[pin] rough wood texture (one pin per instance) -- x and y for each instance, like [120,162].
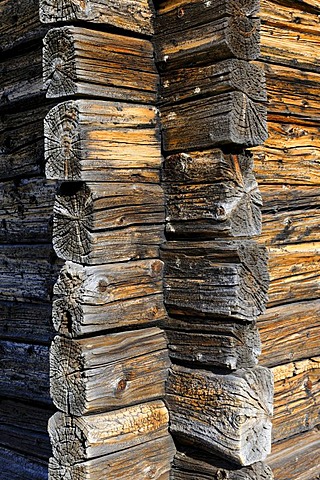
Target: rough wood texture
[226,279]
[17,466]
[200,32]
[226,414]
[211,194]
[78,61]
[102,141]
[97,435]
[98,223]
[92,299]
[130,15]
[229,118]
[150,460]
[296,399]
[108,372]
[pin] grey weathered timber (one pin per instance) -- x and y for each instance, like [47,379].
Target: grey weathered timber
[98,223]
[102,141]
[16,466]
[229,415]
[90,299]
[211,194]
[96,435]
[229,118]
[135,16]
[148,460]
[109,371]
[79,61]
[225,279]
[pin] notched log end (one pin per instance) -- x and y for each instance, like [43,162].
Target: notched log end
[248,122]
[243,37]
[52,11]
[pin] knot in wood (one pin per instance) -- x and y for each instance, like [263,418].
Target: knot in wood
[122,385]
[180,13]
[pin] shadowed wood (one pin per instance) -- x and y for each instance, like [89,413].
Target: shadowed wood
[102,141]
[17,466]
[108,222]
[76,439]
[78,61]
[209,193]
[92,299]
[130,15]
[108,372]
[229,415]
[225,279]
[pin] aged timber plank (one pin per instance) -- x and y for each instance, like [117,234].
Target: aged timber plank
[79,61]
[229,415]
[135,16]
[210,193]
[16,466]
[109,371]
[92,299]
[102,141]
[98,223]
[225,279]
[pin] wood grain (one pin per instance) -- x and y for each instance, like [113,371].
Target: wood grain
[15,466]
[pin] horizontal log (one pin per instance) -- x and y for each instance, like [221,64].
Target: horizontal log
[224,119]
[280,198]
[100,434]
[26,210]
[102,141]
[92,299]
[124,14]
[211,194]
[228,415]
[25,371]
[108,372]
[79,61]
[296,397]
[154,462]
[224,279]
[98,223]
[290,332]
[17,466]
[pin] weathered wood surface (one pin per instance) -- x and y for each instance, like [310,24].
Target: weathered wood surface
[102,141]
[297,458]
[24,426]
[280,198]
[135,16]
[78,61]
[229,415]
[98,223]
[92,299]
[290,332]
[190,33]
[109,371]
[296,397]
[26,210]
[96,435]
[211,194]
[150,460]
[229,75]
[24,371]
[225,279]
[194,465]
[16,466]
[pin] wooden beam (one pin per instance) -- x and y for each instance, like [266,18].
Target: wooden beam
[15,466]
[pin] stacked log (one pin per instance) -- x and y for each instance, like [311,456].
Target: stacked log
[213,106]
[109,359]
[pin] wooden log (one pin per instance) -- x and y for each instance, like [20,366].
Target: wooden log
[102,141]
[224,279]
[191,33]
[154,461]
[16,466]
[290,332]
[229,75]
[26,210]
[97,435]
[211,194]
[228,415]
[224,119]
[108,372]
[78,61]
[296,397]
[25,371]
[277,198]
[98,223]
[93,299]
